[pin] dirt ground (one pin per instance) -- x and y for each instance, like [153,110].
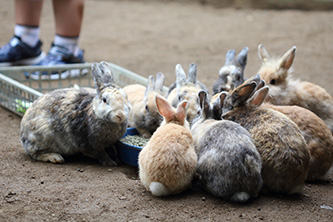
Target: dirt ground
[149,37]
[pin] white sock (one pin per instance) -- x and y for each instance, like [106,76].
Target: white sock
[28,34]
[71,43]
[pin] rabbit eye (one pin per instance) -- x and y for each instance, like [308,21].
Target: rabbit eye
[146,107]
[273,82]
[104,100]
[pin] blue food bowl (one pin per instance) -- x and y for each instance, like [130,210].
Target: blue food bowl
[128,153]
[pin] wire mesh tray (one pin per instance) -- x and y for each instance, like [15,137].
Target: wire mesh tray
[19,88]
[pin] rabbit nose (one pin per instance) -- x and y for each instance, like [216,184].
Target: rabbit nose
[120,117]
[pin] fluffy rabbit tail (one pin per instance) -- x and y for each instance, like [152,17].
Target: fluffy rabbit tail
[158,189]
[240,197]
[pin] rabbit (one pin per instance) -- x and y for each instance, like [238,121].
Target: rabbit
[144,115]
[69,121]
[229,164]
[285,157]
[318,137]
[168,162]
[192,77]
[187,89]
[286,91]
[232,72]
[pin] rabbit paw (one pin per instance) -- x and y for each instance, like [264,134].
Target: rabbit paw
[109,162]
[51,157]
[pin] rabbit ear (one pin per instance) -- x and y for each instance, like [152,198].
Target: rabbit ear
[242,93]
[203,99]
[242,57]
[180,76]
[255,78]
[222,97]
[164,108]
[218,105]
[259,97]
[159,81]
[181,110]
[261,84]
[150,83]
[102,75]
[150,87]
[287,59]
[192,74]
[229,57]
[263,54]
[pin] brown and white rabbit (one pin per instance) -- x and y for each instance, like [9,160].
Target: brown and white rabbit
[231,74]
[144,115]
[317,136]
[285,157]
[69,121]
[286,91]
[168,162]
[186,89]
[229,165]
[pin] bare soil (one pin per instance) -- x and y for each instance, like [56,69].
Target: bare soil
[149,37]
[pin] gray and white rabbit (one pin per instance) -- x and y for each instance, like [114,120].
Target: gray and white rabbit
[69,121]
[283,150]
[229,165]
[231,74]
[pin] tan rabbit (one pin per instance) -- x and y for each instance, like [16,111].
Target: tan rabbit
[168,161]
[279,141]
[286,91]
[186,89]
[144,115]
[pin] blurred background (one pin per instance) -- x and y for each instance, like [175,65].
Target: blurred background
[147,37]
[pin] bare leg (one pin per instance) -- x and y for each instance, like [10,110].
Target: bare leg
[68,17]
[28,12]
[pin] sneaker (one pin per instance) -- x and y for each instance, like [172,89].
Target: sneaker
[16,52]
[59,55]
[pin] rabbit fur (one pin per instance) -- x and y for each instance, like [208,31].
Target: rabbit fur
[229,164]
[186,89]
[231,74]
[144,115]
[69,121]
[285,158]
[192,77]
[318,137]
[286,91]
[168,161]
